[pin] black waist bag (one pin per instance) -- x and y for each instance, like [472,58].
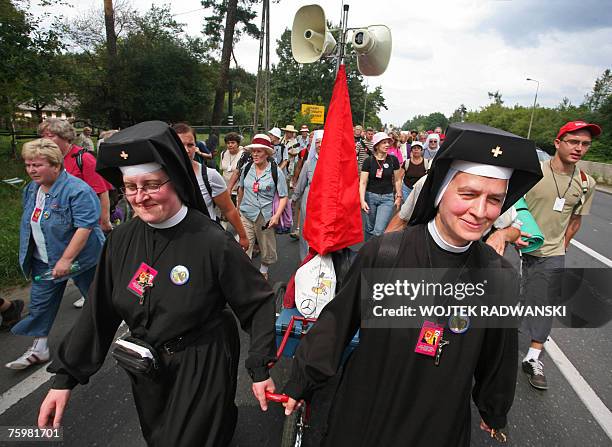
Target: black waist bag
[132,361]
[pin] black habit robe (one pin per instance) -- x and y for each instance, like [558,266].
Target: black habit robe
[388,394]
[192,402]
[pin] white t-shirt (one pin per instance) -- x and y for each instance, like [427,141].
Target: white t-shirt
[217,184]
[40,248]
[228,166]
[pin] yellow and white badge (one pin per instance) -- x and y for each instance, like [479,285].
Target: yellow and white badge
[179,275]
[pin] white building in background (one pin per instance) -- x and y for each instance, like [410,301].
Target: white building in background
[59,109]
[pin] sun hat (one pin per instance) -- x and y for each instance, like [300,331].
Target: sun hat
[289,128]
[275,131]
[261,141]
[380,136]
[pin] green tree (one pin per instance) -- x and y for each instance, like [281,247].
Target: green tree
[458,115]
[238,16]
[602,90]
[598,103]
[496,97]
[426,122]
[159,74]
[27,52]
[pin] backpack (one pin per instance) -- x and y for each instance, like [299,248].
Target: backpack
[204,172]
[274,171]
[388,249]
[79,158]
[113,194]
[426,164]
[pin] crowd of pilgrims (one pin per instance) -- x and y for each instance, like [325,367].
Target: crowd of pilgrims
[129,261]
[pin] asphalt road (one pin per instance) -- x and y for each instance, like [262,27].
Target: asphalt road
[103,413]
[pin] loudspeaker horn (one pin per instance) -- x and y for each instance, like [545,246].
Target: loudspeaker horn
[310,38]
[373,48]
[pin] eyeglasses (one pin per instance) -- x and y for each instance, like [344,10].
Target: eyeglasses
[149,188]
[574,143]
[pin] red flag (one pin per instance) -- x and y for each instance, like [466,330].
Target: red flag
[333,212]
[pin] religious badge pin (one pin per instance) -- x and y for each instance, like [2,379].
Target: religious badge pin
[429,338]
[386,165]
[179,275]
[458,324]
[46,214]
[142,280]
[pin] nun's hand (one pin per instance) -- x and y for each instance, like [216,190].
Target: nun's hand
[291,405]
[259,391]
[52,409]
[520,243]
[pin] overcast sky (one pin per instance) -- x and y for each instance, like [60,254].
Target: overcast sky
[448,52]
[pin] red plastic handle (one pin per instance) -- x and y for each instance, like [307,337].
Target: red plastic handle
[280,398]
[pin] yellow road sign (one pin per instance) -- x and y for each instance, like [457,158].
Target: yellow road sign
[317,113]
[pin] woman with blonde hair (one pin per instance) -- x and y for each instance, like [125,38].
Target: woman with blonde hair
[59,238]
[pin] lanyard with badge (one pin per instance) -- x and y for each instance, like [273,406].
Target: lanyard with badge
[560,199]
[379,171]
[256,183]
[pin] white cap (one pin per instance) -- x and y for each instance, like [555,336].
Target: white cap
[275,131]
[144,168]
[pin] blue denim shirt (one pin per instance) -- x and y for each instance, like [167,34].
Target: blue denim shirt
[254,203]
[70,204]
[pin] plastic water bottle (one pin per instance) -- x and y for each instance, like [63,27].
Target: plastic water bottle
[48,275]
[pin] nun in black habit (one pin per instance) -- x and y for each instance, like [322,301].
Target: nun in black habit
[390,395]
[194,272]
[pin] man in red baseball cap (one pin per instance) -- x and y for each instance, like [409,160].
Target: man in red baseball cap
[557,203]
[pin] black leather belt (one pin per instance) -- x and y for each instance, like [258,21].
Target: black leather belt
[182,342]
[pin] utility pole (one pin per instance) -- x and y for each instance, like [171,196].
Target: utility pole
[111,48]
[267,76]
[534,106]
[258,83]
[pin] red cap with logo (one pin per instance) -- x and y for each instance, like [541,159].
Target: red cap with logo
[573,126]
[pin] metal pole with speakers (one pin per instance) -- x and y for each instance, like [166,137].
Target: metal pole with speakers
[311,40]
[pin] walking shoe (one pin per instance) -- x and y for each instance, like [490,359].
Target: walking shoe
[79,303]
[295,235]
[30,357]
[535,370]
[13,314]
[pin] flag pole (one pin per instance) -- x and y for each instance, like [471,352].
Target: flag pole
[342,44]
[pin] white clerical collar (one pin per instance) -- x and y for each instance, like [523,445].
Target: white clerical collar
[440,242]
[174,220]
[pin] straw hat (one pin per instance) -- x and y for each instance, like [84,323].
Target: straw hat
[289,128]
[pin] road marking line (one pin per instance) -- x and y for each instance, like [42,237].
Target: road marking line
[24,388]
[32,383]
[589,398]
[591,252]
